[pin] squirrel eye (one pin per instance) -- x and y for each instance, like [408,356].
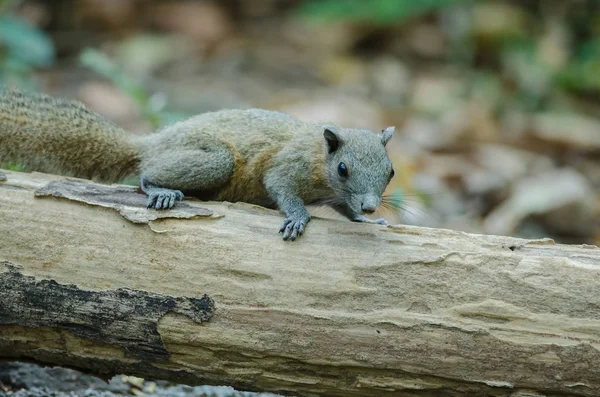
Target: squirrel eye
[343,170]
[391,175]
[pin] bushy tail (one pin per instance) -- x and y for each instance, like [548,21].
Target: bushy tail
[60,136]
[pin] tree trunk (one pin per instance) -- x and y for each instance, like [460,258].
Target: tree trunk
[210,294]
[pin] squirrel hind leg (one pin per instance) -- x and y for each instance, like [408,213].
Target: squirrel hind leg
[165,177]
[160,198]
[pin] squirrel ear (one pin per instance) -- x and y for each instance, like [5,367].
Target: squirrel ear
[332,138]
[386,135]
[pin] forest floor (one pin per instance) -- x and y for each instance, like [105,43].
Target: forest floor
[30,380]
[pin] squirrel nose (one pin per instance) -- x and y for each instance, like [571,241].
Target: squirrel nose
[369,209]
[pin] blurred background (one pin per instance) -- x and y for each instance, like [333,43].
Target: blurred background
[496,103]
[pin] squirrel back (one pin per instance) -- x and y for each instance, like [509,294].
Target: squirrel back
[61,136]
[254,140]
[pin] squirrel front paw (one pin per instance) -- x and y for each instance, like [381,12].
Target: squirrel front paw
[163,199]
[293,226]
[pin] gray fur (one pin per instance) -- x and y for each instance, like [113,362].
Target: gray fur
[257,156]
[369,169]
[386,135]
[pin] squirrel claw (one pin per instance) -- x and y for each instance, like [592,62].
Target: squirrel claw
[292,228]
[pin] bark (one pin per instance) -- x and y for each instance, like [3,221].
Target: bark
[210,294]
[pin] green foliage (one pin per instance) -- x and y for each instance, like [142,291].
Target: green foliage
[382,12]
[23,48]
[151,110]
[103,65]
[13,167]
[516,51]
[24,43]
[582,73]
[537,80]
[533,78]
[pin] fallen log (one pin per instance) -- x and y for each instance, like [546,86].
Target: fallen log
[210,294]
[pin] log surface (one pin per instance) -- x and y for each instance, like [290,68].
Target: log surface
[348,310]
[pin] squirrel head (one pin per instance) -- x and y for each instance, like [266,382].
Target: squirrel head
[358,167]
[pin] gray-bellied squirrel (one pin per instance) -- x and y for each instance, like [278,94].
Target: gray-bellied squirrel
[256,156]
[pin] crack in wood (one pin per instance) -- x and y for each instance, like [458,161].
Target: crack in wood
[124,317]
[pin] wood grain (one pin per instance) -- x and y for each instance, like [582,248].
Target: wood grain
[348,310]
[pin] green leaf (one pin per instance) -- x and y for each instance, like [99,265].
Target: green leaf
[25,43]
[375,11]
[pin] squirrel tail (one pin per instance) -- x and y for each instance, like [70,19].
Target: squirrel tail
[61,136]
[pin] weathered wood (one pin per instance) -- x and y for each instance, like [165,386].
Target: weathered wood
[348,310]
[119,317]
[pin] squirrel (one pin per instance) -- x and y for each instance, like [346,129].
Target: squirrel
[256,156]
